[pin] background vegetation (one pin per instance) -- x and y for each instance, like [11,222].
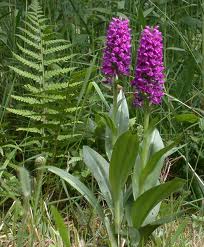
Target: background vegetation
[43,117]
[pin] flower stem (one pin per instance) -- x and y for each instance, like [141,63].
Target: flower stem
[145,147]
[115,94]
[145,144]
[115,108]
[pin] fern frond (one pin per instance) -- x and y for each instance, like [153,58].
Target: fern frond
[53,73]
[33,14]
[31,35]
[67,137]
[72,109]
[31,130]
[28,100]
[29,42]
[32,89]
[26,74]
[26,113]
[56,49]
[55,41]
[56,86]
[27,62]
[33,21]
[43,20]
[35,30]
[60,59]
[51,112]
[75,85]
[29,53]
[51,97]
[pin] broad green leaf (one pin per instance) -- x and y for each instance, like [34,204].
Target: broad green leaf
[25,181]
[155,144]
[187,117]
[61,227]
[121,123]
[122,161]
[122,116]
[100,170]
[149,199]
[152,163]
[80,187]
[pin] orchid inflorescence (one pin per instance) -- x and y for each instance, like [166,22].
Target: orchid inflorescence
[148,83]
[117,53]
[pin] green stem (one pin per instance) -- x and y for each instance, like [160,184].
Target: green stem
[145,146]
[114,113]
[115,95]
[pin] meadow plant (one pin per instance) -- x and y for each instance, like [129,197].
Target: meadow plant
[129,179]
[53,123]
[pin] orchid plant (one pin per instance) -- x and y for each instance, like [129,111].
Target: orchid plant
[129,177]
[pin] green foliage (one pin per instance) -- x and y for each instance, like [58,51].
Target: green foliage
[40,98]
[64,233]
[47,103]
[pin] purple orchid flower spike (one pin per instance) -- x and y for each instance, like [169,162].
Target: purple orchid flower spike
[117,52]
[149,72]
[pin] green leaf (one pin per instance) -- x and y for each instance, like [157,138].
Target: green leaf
[26,113]
[122,161]
[60,59]
[29,42]
[122,116]
[28,100]
[108,121]
[26,74]
[31,35]
[100,170]
[187,117]
[61,227]
[121,123]
[56,49]
[149,199]
[56,72]
[155,144]
[152,163]
[27,62]
[98,90]
[67,137]
[80,187]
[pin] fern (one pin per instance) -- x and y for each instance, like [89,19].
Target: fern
[47,103]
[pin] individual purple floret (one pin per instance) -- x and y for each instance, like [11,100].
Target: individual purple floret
[117,53]
[149,76]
